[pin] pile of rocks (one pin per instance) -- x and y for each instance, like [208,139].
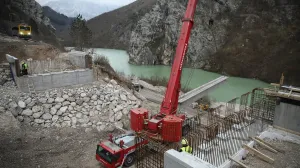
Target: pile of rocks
[102,106]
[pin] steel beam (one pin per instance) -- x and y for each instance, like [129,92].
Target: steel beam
[195,94]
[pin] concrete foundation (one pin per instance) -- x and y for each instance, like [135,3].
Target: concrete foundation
[269,133]
[55,79]
[287,115]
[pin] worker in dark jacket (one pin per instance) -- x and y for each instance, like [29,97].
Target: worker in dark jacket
[185,146]
[24,68]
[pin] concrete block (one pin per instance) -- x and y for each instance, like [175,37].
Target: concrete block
[47,81]
[56,79]
[175,159]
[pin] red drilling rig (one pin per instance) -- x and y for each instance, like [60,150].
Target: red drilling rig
[167,125]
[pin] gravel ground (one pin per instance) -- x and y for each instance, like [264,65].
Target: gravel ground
[51,148]
[290,159]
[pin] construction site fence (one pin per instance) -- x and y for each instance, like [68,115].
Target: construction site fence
[217,134]
[56,65]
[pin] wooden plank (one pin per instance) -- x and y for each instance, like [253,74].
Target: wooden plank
[259,154]
[275,84]
[238,162]
[274,147]
[264,145]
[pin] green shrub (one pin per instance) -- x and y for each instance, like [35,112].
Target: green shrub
[101,60]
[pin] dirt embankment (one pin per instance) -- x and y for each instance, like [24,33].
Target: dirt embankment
[26,49]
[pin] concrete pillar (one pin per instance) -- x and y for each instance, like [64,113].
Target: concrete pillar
[17,68]
[88,62]
[287,115]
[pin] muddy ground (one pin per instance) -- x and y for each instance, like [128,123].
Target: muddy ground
[32,147]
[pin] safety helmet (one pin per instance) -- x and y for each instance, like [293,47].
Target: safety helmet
[184,141]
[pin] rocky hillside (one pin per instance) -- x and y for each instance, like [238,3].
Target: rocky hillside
[113,29]
[254,39]
[13,12]
[61,22]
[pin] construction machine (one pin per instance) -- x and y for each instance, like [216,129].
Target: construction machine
[22,31]
[203,107]
[118,151]
[167,126]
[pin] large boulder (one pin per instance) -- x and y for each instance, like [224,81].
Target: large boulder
[27,112]
[59,100]
[22,104]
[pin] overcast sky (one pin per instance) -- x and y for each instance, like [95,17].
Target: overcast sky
[102,2]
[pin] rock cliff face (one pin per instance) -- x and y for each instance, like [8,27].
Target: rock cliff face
[113,29]
[255,39]
[60,21]
[155,37]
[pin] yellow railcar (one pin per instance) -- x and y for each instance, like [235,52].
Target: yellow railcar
[22,31]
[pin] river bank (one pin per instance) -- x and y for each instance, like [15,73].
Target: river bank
[191,78]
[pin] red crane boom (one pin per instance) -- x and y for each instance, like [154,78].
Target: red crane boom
[167,125]
[170,102]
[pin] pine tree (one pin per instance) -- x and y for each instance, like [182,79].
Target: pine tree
[80,33]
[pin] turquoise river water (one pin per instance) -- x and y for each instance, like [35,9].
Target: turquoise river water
[234,87]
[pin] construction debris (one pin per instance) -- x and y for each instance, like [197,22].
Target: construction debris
[259,154]
[264,145]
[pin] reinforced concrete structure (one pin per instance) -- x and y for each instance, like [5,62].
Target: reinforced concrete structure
[287,109]
[43,81]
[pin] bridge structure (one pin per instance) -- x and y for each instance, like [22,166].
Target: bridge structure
[185,100]
[188,98]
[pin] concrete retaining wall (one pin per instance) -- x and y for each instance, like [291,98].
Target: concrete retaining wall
[56,79]
[287,115]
